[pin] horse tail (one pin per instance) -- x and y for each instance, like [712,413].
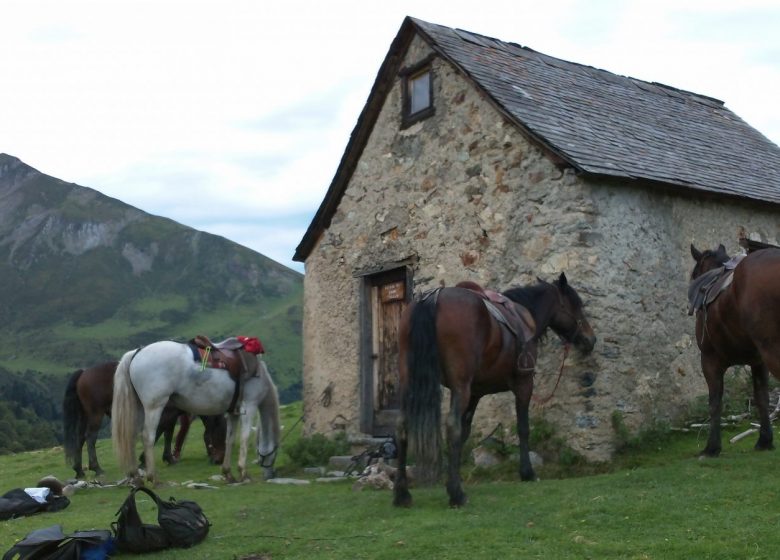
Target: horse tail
[73,419]
[421,400]
[269,431]
[125,412]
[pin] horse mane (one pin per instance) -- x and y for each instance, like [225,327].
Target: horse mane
[531,298]
[528,296]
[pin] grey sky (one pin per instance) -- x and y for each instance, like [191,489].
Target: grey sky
[232,116]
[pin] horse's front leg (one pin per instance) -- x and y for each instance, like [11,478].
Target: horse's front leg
[246,429]
[523,393]
[232,420]
[761,398]
[458,406]
[713,374]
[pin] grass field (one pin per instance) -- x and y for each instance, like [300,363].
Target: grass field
[668,505]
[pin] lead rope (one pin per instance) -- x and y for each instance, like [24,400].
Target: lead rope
[557,381]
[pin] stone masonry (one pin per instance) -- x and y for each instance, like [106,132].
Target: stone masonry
[467,196]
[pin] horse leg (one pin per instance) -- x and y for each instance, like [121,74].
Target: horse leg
[761,398]
[468,418]
[713,374]
[77,464]
[184,427]
[93,428]
[523,392]
[455,421]
[401,495]
[232,420]
[167,434]
[246,429]
[151,421]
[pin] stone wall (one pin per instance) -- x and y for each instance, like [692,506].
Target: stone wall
[466,196]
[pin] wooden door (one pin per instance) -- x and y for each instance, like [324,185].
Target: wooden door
[388,297]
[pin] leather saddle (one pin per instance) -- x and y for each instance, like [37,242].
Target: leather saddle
[221,355]
[705,289]
[513,316]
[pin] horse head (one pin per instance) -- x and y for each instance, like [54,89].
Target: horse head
[568,319]
[707,260]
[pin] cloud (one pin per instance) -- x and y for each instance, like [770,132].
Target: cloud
[232,117]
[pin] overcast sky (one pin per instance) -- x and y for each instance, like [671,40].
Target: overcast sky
[231,116]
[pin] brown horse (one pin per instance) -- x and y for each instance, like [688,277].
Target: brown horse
[452,337]
[87,400]
[740,327]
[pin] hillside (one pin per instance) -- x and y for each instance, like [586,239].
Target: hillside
[85,277]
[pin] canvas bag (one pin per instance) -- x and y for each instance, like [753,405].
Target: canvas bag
[181,524]
[50,543]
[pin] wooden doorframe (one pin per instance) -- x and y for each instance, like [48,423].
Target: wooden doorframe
[369,281]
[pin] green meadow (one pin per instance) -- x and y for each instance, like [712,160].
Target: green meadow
[657,502]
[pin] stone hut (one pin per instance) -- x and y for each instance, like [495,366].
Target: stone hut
[478,159]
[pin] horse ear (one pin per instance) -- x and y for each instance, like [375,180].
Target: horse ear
[562,280]
[722,250]
[695,253]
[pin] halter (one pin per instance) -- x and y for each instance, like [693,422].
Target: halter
[567,342]
[262,458]
[577,321]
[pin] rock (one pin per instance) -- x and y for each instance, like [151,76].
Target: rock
[291,481]
[485,457]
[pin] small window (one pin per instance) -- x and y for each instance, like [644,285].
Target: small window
[417,89]
[419,92]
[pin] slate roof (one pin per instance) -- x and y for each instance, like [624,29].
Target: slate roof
[600,123]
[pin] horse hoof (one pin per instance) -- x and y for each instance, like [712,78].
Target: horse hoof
[402,499]
[762,446]
[708,454]
[458,501]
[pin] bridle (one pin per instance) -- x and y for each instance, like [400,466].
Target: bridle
[569,339]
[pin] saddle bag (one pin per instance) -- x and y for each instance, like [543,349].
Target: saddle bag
[181,525]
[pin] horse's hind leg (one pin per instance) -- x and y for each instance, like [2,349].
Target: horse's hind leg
[401,495]
[455,421]
[761,399]
[467,419]
[91,439]
[151,421]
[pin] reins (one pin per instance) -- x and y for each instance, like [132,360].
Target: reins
[566,347]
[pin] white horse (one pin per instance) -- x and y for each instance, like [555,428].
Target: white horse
[146,378]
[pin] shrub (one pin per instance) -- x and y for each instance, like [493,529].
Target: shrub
[651,437]
[315,451]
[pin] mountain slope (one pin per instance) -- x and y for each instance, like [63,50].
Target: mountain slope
[85,277]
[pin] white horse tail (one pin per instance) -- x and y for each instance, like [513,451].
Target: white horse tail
[125,410]
[269,431]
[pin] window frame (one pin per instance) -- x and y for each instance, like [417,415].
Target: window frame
[408,74]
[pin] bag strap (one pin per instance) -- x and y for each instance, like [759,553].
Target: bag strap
[131,510]
[149,492]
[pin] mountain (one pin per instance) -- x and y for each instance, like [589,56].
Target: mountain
[85,277]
